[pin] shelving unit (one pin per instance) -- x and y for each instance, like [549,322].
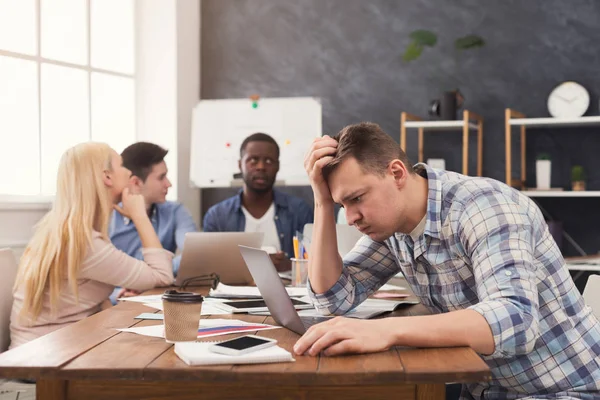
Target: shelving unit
[516,118]
[470,121]
[561,193]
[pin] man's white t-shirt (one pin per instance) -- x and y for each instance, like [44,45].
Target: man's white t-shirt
[265,224]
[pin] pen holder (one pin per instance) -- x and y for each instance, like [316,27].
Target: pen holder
[299,272]
[182,315]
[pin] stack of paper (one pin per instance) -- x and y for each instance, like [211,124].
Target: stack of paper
[249,292]
[208,307]
[198,353]
[152,298]
[208,328]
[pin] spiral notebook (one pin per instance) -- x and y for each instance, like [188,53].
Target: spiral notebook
[197,353]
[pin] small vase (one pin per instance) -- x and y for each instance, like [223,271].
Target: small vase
[578,185]
[542,174]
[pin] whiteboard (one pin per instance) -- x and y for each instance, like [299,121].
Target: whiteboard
[220,126]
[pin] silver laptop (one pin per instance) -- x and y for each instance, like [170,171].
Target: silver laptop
[347,236]
[273,292]
[205,253]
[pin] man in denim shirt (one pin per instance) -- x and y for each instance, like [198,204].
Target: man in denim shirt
[171,220]
[258,207]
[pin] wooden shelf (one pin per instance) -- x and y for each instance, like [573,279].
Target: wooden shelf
[515,118]
[470,121]
[558,122]
[440,125]
[561,193]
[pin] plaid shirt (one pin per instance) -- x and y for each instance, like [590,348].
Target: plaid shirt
[487,248]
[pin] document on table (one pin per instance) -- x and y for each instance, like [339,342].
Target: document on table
[226,291]
[208,307]
[207,328]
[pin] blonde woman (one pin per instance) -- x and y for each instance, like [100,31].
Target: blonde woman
[70,266]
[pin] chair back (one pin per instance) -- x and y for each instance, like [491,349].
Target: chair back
[8,272]
[591,294]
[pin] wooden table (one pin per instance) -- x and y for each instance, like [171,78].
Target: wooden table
[91,360]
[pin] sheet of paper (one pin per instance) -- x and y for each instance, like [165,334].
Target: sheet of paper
[207,328]
[152,298]
[151,316]
[208,307]
[250,291]
[388,295]
[286,275]
[388,286]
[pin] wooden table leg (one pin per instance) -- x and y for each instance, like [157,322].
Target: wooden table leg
[50,389]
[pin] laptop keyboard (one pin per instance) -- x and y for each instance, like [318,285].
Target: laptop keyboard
[310,321]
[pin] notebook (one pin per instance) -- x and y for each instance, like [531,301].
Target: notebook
[197,353]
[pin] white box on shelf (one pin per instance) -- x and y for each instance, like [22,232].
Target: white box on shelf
[542,174]
[438,163]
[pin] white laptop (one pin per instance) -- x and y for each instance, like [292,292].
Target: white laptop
[280,305]
[205,253]
[347,236]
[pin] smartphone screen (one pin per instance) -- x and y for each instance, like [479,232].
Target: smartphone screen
[242,343]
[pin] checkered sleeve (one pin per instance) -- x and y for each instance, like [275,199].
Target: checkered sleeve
[497,235]
[366,268]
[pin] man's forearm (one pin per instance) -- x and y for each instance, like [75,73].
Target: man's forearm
[456,328]
[324,262]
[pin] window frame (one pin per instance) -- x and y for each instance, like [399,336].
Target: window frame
[40,201]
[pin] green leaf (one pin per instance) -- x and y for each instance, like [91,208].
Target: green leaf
[412,52]
[577,173]
[469,42]
[543,156]
[423,37]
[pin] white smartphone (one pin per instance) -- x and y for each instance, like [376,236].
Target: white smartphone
[242,345]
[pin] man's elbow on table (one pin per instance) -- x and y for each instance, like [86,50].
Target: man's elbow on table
[515,328]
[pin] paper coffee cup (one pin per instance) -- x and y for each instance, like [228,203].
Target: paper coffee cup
[181,315]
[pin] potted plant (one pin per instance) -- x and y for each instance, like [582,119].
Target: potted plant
[542,171]
[422,38]
[447,107]
[577,177]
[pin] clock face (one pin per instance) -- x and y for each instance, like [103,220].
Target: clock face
[568,100]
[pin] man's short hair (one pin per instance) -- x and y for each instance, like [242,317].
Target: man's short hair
[258,137]
[140,157]
[372,148]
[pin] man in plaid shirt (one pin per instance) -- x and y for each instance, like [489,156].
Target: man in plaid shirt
[477,253]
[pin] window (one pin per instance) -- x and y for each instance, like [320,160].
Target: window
[66,76]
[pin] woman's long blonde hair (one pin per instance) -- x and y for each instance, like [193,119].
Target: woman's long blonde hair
[63,236]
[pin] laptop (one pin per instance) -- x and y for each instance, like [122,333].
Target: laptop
[273,291]
[256,305]
[347,236]
[205,253]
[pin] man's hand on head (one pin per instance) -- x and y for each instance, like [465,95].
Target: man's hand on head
[319,155]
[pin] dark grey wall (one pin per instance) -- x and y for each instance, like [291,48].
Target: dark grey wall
[348,53]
